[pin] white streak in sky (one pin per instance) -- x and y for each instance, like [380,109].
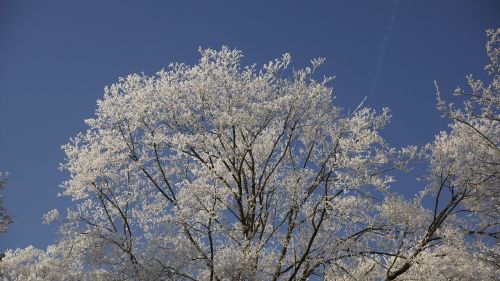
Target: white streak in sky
[382,47]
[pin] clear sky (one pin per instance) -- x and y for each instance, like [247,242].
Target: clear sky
[57,56]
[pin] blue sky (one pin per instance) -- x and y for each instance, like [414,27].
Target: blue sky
[57,56]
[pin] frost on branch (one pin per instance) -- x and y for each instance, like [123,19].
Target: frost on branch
[51,216]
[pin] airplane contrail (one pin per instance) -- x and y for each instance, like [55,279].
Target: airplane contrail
[382,48]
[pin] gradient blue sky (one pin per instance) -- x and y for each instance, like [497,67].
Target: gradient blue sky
[57,56]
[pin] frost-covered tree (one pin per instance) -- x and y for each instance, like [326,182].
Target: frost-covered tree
[223,172]
[219,171]
[459,240]
[5,218]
